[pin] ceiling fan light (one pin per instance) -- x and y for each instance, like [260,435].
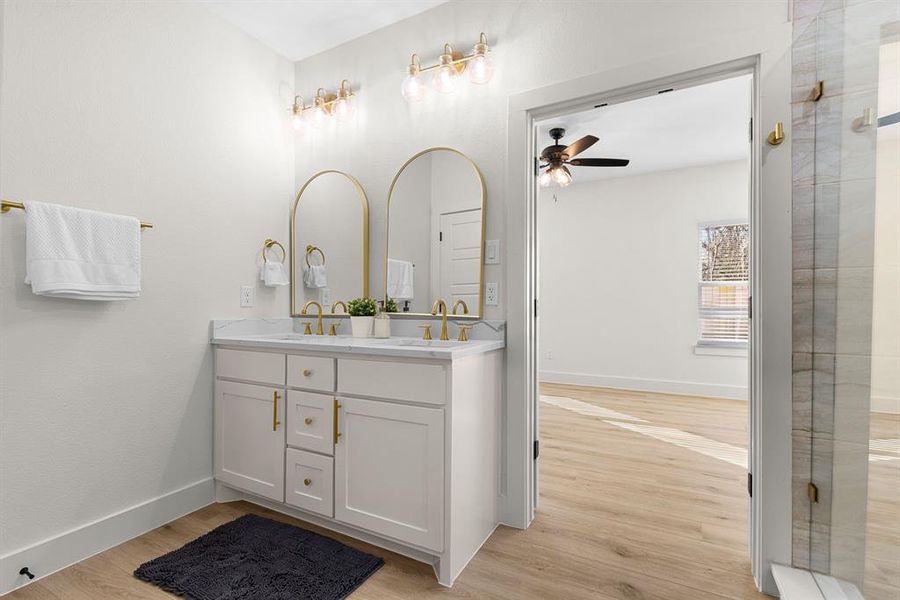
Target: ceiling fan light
[561,176]
[545,178]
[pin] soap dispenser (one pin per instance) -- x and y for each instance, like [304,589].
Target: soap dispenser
[382,327]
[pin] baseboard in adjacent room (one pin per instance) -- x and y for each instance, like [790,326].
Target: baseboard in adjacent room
[684,388]
[70,547]
[886,404]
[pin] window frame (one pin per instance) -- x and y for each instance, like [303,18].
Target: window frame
[725,344]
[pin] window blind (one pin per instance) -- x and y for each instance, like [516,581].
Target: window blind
[724,289]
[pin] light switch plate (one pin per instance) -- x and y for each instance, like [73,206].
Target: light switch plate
[492,252]
[491,294]
[246,296]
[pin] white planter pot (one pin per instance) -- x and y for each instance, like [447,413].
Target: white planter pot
[361,326]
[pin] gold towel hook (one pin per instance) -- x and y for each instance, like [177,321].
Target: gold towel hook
[268,244]
[776,136]
[310,249]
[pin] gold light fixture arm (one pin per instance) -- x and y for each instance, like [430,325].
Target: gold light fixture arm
[451,57]
[7,205]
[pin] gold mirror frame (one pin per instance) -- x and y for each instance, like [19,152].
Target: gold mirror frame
[364,202]
[475,315]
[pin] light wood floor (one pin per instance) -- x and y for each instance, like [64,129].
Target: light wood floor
[622,516]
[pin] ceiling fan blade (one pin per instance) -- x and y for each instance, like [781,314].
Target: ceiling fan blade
[599,162]
[581,145]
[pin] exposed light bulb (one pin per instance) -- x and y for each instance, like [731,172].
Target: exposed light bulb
[446,79]
[545,179]
[413,88]
[344,108]
[480,69]
[297,121]
[319,116]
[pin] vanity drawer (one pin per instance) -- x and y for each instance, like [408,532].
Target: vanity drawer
[413,382]
[310,372]
[310,421]
[264,367]
[310,482]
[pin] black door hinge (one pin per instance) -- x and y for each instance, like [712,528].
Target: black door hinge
[537,449]
[440,236]
[750,484]
[535,308]
[537,166]
[749,307]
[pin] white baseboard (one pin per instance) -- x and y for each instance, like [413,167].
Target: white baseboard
[686,388]
[885,404]
[70,547]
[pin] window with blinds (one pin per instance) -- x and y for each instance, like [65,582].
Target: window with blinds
[724,286]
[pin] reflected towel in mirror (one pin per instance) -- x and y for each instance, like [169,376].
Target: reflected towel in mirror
[400,277]
[315,277]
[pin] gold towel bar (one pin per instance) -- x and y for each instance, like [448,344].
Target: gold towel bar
[6,205]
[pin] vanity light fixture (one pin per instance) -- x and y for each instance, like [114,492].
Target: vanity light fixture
[447,72]
[341,105]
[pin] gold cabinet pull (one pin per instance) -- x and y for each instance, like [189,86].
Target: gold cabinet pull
[337,408]
[308,420]
[776,136]
[307,372]
[307,481]
[275,421]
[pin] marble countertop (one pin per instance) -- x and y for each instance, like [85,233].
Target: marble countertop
[279,335]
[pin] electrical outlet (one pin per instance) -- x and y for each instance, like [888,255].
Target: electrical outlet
[491,294]
[325,296]
[246,296]
[492,252]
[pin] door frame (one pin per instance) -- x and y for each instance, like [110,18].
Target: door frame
[767,54]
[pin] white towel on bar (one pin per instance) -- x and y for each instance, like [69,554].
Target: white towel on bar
[81,254]
[400,277]
[274,274]
[315,277]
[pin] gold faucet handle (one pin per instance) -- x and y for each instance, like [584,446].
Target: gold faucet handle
[333,329]
[307,328]
[426,334]
[463,333]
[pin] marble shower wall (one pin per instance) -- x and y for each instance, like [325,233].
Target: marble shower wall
[833,151]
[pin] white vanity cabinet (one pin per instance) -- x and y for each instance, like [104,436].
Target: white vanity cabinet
[400,452]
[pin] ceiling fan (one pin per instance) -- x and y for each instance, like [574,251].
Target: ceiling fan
[555,159]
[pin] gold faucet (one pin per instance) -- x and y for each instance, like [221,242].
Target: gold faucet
[318,316]
[457,305]
[333,329]
[440,305]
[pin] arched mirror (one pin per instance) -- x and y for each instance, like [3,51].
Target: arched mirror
[435,234]
[329,241]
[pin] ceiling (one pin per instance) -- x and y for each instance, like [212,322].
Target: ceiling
[699,125]
[297,29]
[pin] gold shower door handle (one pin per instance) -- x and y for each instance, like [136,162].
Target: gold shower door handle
[776,136]
[275,421]
[337,408]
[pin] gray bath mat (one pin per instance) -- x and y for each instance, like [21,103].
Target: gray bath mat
[253,558]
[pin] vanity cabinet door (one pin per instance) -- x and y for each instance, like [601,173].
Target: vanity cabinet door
[310,421]
[389,470]
[249,438]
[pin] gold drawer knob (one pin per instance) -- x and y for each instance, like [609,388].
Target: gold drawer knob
[307,372]
[307,482]
[308,420]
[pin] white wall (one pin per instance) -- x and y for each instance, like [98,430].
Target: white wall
[886,299]
[525,38]
[162,111]
[618,311]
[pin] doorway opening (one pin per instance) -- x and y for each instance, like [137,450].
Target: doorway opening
[643,341]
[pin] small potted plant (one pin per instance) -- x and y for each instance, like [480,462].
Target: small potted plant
[362,316]
[390,306]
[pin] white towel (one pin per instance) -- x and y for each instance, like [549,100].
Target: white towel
[315,277]
[400,277]
[274,274]
[81,254]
